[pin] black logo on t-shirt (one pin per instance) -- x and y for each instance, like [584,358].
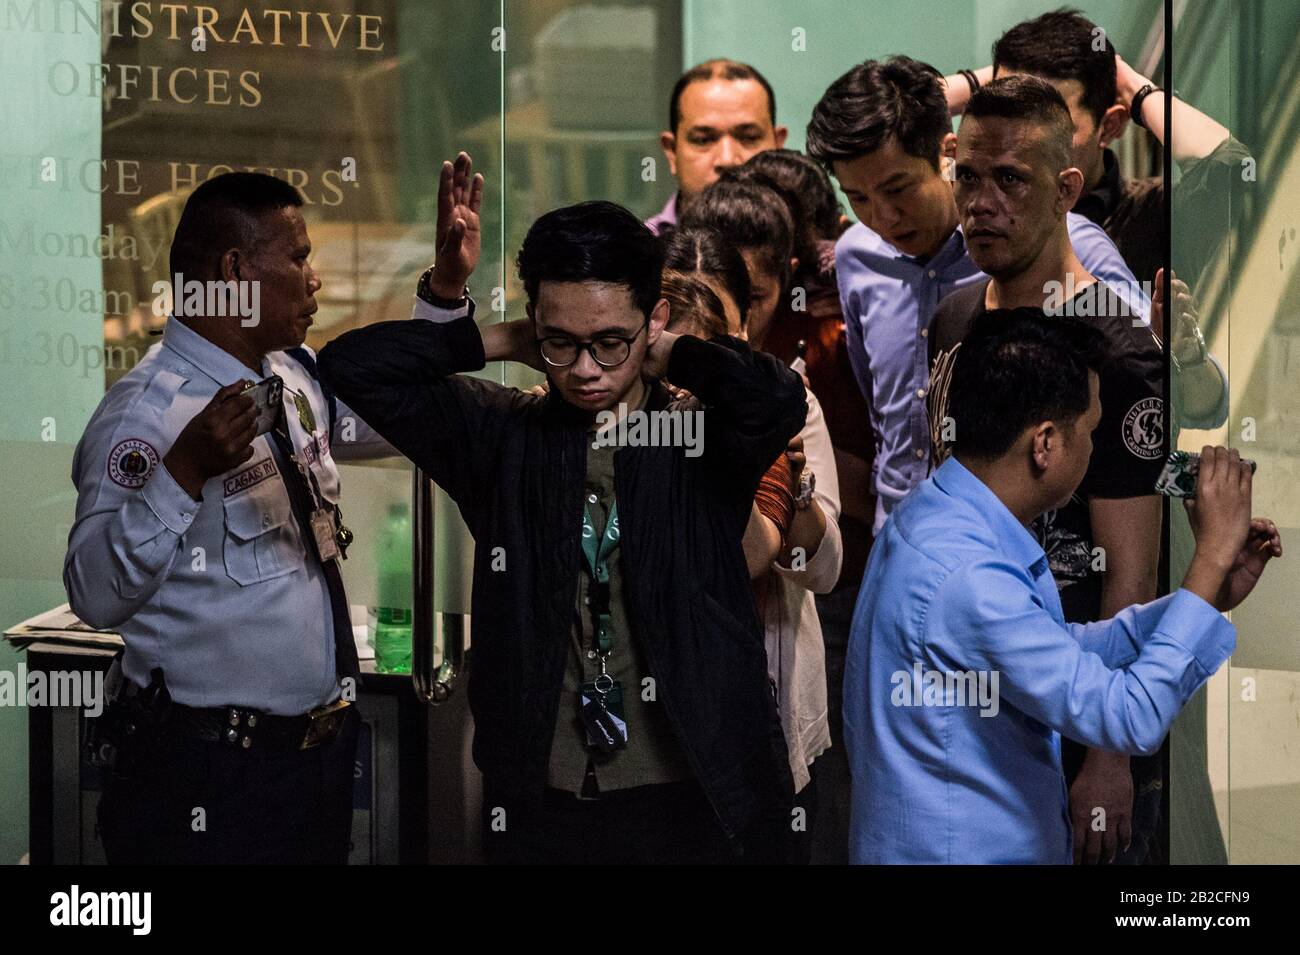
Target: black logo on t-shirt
[1144,428]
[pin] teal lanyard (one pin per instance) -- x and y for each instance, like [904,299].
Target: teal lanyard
[597,562]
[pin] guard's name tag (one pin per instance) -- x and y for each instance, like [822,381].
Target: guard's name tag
[254,474]
[323,530]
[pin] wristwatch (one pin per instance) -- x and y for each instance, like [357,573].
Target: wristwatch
[1135,108]
[1195,357]
[423,293]
[807,483]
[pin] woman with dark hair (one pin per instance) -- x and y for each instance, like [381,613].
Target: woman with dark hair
[811,199]
[707,256]
[792,544]
[754,220]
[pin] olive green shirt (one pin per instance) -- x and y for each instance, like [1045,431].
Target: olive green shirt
[652,754]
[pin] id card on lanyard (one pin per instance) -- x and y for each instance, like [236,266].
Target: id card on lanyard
[600,701]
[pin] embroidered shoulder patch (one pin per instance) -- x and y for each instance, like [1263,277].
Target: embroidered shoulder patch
[131,462]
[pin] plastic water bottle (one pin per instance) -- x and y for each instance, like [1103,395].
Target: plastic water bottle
[393,615]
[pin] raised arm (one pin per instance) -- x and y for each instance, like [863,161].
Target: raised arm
[404,378]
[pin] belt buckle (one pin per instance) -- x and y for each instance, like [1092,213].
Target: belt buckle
[323,723]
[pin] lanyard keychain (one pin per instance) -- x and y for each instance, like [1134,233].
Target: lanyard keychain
[600,701]
[325,520]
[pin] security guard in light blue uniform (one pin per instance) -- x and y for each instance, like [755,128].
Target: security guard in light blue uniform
[219,592]
[214,549]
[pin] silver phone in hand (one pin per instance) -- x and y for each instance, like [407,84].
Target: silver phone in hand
[268,397]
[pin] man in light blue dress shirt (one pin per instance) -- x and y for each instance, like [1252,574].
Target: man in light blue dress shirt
[962,673]
[884,131]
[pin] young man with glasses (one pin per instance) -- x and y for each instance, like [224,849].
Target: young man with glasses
[621,703]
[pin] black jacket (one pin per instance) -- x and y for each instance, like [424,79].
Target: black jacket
[514,463]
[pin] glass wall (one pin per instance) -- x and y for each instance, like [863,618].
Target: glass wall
[52,353]
[1236,61]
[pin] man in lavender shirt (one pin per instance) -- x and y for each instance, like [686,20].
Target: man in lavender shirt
[884,131]
[721,113]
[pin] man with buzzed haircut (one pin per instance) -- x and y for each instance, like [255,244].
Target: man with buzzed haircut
[721,113]
[1015,185]
[1104,93]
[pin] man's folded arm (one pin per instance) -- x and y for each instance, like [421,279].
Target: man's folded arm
[988,616]
[754,403]
[403,379]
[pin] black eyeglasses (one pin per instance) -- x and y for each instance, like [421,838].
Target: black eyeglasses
[608,351]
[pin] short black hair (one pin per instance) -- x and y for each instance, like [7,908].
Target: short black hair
[807,192]
[1026,99]
[721,69]
[900,97]
[1015,368]
[595,241]
[707,252]
[1060,45]
[222,212]
[751,216]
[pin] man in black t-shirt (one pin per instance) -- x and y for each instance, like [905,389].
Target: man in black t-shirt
[1014,186]
[1126,452]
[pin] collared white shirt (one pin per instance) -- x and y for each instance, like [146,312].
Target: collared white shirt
[220,593]
[796,652]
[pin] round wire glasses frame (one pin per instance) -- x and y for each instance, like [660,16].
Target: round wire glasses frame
[608,351]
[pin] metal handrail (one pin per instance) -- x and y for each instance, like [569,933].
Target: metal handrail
[431,686]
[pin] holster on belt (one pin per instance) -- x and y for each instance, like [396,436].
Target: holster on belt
[132,719]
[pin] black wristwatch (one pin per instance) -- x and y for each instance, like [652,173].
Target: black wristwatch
[1135,108]
[424,294]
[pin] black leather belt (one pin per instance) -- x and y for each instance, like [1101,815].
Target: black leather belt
[244,728]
